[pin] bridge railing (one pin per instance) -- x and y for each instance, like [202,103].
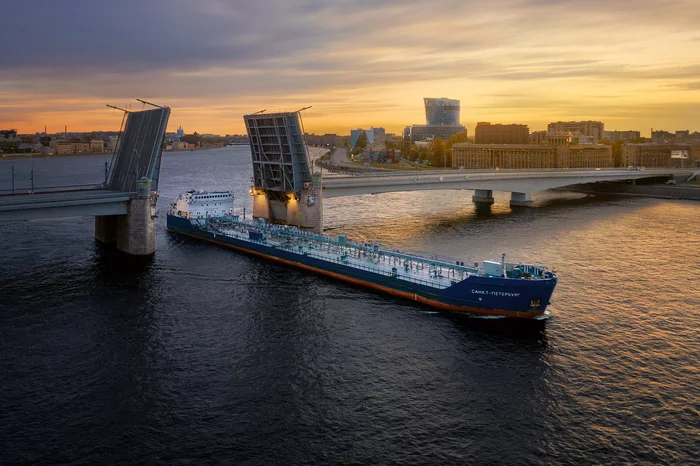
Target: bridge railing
[439,171]
[22,179]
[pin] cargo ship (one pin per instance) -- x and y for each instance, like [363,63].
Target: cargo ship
[487,288]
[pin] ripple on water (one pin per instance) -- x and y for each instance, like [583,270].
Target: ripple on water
[201,354]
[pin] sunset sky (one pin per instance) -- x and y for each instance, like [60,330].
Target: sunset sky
[634,64]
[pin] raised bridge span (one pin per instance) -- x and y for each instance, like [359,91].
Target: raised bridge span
[123,206]
[521,184]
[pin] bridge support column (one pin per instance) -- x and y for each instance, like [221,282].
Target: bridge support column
[483,196]
[261,205]
[135,232]
[520,200]
[306,211]
[303,210]
[106,228]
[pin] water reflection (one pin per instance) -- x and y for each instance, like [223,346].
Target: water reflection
[200,354]
[531,332]
[113,264]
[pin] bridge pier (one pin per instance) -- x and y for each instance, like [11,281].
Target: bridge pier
[483,196]
[521,200]
[106,228]
[135,232]
[303,210]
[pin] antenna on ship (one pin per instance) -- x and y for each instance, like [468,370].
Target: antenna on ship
[259,111]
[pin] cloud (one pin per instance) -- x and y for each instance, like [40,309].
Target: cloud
[694,85]
[224,56]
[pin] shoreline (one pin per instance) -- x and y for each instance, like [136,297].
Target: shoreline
[34,155]
[686,193]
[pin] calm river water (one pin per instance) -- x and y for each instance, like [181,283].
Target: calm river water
[201,354]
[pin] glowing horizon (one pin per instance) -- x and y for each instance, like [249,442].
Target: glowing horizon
[631,65]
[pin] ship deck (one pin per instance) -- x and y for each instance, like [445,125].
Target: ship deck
[370,257]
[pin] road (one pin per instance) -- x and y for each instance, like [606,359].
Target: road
[518,181]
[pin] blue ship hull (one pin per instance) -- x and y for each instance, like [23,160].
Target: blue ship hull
[481,295]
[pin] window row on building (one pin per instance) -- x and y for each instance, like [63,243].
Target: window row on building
[487,133]
[660,155]
[525,156]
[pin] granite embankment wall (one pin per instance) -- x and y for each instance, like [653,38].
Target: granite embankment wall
[665,192]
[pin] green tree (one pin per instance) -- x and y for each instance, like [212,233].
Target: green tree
[438,154]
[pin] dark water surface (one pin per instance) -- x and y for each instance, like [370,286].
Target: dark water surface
[201,354]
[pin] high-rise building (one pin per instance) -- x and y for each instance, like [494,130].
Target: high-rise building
[659,155]
[374,136]
[621,135]
[442,111]
[538,137]
[679,136]
[486,133]
[590,128]
[429,132]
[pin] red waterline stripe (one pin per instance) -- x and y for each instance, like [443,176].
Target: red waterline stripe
[391,291]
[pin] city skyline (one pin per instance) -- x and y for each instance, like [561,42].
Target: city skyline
[357,63]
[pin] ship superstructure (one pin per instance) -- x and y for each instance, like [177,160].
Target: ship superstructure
[200,204]
[486,287]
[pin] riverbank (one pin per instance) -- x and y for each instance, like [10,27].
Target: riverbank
[686,191]
[36,155]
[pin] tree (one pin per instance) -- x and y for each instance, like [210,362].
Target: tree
[405,146]
[413,152]
[361,143]
[195,139]
[438,155]
[422,153]
[456,139]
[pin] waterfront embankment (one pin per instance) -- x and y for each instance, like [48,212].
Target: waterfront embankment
[686,192]
[37,155]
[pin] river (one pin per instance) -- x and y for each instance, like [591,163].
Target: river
[201,354]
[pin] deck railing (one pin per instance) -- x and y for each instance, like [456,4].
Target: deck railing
[341,249]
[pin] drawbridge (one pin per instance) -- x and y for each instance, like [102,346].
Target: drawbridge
[124,205]
[283,187]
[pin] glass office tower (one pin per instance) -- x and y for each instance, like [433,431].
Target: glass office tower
[441,111]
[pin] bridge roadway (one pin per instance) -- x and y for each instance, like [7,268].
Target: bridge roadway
[521,183]
[83,201]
